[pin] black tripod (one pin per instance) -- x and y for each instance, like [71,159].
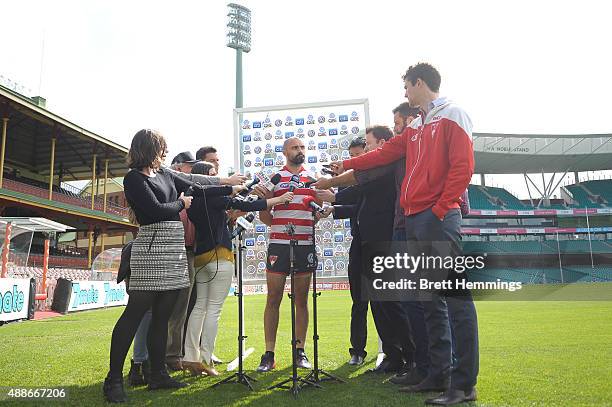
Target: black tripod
[239,376]
[314,374]
[295,380]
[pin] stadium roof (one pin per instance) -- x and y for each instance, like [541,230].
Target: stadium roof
[36,224]
[535,153]
[28,145]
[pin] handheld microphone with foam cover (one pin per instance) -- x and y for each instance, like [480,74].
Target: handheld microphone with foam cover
[242,224]
[310,203]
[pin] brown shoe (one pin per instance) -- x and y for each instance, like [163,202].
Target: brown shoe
[175,365]
[210,370]
[194,368]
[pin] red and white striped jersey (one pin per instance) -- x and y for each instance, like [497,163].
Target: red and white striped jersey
[295,212]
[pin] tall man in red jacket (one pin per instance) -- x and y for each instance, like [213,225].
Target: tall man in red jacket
[439,166]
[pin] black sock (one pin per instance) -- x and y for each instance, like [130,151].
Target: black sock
[299,350]
[270,353]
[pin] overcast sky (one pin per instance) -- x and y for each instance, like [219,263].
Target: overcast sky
[117,66]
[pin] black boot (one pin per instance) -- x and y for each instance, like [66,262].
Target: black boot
[162,380]
[146,371]
[113,390]
[136,374]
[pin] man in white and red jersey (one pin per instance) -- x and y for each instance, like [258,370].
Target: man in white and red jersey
[293,177]
[439,166]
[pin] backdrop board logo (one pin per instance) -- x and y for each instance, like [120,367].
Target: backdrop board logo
[328,252]
[268,136]
[247,163]
[250,254]
[279,160]
[344,144]
[323,158]
[288,121]
[300,130]
[260,229]
[338,237]
[261,255]
[333,132]
[278,135]
[338,224]
[321,119]
[339,250]
[257,125]
[323,145]
[247,149]
[267,123]
[257,150]
[312,159]
[301,135]
[260,241]
[333,143]
[347,224]
[246,138]
[326,224]
[311,133]
[340,266]
[312,145]
[289,134]
[299,121]
[345,155]
[250,242]
[278,122]
[343,118]
[354,116]
[322,132]
[310,120]
[343,130]
[334,157]
[246,124]
[332,118]
[257,136]
[258,162]
[320,266]
[261,266]
[355,130]
[278,148]
[268,149]
[268,162]
[251,270]
[327,237]
[328,265]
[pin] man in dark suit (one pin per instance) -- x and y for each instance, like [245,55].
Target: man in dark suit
[372,208]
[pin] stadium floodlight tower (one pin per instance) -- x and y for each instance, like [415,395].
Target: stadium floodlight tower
[239,38]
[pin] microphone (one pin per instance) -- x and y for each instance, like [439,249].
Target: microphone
[293,183]
[249,186]
[310,203]
[242,224]
[267,182]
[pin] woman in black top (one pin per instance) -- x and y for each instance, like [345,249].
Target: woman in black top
[158,262]
[214,270]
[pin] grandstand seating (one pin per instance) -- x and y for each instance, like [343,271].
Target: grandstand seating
[62,196]
[541,275]
[601,188]
[537,247]
[509,201]
[479,200]
[582,197]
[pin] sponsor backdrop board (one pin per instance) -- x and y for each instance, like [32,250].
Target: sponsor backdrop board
[326,129]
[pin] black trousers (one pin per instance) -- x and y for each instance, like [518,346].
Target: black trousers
[359,308]
[430,236]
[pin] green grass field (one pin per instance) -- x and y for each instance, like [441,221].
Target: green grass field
[549,353]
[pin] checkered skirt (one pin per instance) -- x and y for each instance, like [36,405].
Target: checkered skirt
[159,260]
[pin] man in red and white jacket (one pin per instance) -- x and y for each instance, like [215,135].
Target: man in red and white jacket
[439,166]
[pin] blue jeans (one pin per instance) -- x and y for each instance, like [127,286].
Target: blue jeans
[140,352]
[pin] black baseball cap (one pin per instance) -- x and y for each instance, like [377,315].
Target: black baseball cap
[184,158]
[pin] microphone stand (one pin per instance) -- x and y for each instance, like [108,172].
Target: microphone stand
[239,376]
[313,376]
[295,380]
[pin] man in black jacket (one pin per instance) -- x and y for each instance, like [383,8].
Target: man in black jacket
[374,212]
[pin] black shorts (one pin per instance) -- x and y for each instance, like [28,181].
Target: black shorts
[278,259]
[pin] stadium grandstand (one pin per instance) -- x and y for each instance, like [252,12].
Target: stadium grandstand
[542,239]
[43,158]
